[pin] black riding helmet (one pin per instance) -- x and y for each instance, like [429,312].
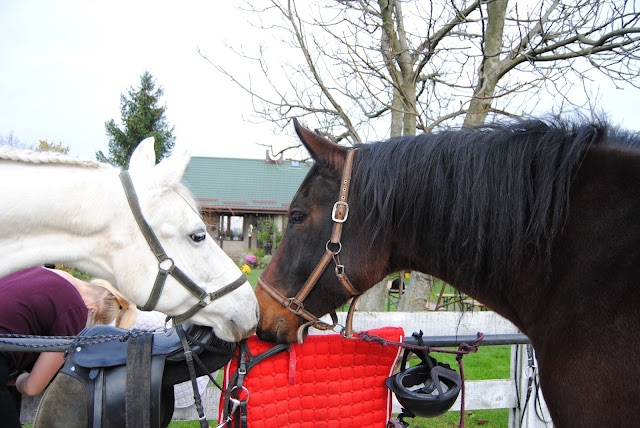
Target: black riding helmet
[428,389]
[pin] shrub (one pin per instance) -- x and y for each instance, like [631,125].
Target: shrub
[251,259]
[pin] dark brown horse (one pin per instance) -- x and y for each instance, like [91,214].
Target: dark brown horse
[539,221]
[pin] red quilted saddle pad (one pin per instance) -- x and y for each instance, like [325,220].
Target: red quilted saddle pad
[328,381]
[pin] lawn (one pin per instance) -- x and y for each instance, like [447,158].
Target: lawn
[253,276]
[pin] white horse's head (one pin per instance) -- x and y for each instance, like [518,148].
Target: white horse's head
[171,212]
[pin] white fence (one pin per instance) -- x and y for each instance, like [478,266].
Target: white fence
[527,406]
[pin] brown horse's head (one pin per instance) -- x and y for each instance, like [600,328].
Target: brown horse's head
[306,242]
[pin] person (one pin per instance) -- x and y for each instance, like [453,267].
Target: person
[49,302]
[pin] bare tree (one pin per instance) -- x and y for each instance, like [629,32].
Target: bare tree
[11,140]
[353,64]
[359,70]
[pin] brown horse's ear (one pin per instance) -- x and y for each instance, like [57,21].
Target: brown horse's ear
[322,150]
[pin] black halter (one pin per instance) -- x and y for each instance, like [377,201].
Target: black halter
[166,266]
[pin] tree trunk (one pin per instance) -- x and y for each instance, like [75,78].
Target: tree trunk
[416,294]
[490,71]
[374,299]
[396,114]
[410,114]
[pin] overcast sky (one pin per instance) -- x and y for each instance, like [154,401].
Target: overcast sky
[64,65]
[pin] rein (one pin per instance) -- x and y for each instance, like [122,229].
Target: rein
[166,265]
[339,215]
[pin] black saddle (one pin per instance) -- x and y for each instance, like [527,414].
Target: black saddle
[123,377]
[114,352]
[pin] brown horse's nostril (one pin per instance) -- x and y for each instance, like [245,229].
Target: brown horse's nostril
[267,336]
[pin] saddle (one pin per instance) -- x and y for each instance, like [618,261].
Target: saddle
[122,377]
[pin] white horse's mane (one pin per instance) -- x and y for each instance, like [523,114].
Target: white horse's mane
[30,156]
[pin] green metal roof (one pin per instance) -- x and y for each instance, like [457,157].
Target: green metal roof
[244,185]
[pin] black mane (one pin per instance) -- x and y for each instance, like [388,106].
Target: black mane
[487,199]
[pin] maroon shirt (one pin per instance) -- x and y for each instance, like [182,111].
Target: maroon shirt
[39,302]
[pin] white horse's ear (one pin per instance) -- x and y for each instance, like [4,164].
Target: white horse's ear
[170,170]
[144,156]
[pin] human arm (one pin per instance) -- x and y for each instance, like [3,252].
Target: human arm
[45,367]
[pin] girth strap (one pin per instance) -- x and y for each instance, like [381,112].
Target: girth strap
[98,399]
[138,389]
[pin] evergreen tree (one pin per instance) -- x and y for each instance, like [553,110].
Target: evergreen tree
[141,117]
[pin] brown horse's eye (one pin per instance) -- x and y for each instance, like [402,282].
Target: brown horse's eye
[296,217]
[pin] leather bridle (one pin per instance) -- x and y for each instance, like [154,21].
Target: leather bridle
[166,265]
[339,215]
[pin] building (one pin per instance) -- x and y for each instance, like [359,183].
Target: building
[234,194]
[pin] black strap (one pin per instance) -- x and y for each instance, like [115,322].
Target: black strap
[150,237]
[246,362]
[138,390]
[98,396]
[179,319]
[134,204]
[188,355]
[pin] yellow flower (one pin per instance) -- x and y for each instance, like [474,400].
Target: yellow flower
[246,269]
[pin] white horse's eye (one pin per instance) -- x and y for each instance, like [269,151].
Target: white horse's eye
[198,236]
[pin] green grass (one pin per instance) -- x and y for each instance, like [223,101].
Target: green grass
[475,418]
[253,277]
[188,424]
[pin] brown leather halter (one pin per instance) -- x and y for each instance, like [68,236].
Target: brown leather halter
[339,215]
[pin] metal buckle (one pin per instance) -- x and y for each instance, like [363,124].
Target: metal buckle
[335,209]
[334,253]
[164,262]
[168,331]
[293,301]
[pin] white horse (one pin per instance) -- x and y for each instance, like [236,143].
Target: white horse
[57,209]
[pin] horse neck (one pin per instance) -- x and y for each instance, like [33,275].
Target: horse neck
[426,221]
[57,214]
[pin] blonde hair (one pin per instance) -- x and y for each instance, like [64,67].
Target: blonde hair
[112,305]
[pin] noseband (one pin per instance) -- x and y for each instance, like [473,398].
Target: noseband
[166,266]
[339,215]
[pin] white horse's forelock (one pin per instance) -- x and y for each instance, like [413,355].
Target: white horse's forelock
[30,156]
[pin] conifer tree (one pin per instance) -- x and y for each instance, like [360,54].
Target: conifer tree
[141,117]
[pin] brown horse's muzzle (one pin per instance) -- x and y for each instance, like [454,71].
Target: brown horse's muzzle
[277,324]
